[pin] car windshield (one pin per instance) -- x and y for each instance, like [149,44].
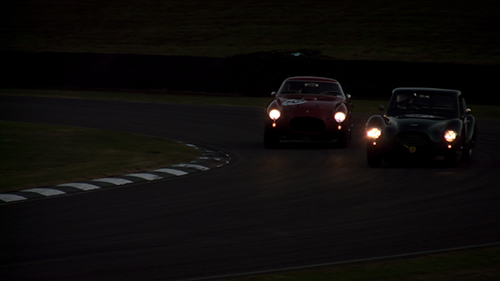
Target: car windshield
[312,88]
[425,104]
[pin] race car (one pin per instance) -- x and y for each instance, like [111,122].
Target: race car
[422,124]
[308,108]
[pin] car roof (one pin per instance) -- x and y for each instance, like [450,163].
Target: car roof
[435,90]
[312,79]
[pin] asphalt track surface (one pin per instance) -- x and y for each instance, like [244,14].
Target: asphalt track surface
[296,206]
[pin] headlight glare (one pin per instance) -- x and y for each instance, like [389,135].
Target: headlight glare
[274,114]
[450,135]
[374,133]
[339,117]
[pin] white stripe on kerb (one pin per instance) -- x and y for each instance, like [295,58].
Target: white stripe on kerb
[11,197]
[82,186]
[45,191]
[115,181]
[198,167]
[145,176]
[172,171]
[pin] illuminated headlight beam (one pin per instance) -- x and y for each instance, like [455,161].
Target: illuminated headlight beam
[274,114]
[339,117]
[450,135]
[374,133]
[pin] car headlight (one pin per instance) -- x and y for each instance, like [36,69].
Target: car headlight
[450,135]
[339,117]
[274,114]
[374,133]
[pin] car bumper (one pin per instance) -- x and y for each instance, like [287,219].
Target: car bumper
[397,150]
[330,131]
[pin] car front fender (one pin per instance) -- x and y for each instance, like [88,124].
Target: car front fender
[376,121]
[455,125]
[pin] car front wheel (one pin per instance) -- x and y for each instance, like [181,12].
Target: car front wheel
[374,158]
[271,140]
[343,140]
[466,155]
[453,158]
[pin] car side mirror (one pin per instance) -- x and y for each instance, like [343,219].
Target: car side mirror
[348,96]
[273,93]
[381,107]
[468,111]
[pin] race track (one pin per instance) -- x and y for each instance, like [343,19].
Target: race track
[296,206]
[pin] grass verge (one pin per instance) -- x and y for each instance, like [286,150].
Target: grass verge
[360,105]
[42,155]
[143,96]
[467,265]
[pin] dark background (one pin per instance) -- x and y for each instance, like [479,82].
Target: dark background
[248,48]
[255,74]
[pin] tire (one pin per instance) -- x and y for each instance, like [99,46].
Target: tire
[453,159]
[343,140]
[271,140]
[374,158]
[466,155]
[374,161]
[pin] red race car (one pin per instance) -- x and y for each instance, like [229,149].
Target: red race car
[308,108]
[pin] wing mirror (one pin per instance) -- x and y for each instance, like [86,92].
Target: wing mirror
[273,93]
[381,107]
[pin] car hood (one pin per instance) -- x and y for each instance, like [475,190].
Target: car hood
[433,127]
[316,106]
[419,124]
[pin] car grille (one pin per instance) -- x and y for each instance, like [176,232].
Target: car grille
[307,124]
[413,138]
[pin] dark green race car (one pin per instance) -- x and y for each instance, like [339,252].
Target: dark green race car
[421,124]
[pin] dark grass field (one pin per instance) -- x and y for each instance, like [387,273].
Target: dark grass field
[460,31]
[43,155]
